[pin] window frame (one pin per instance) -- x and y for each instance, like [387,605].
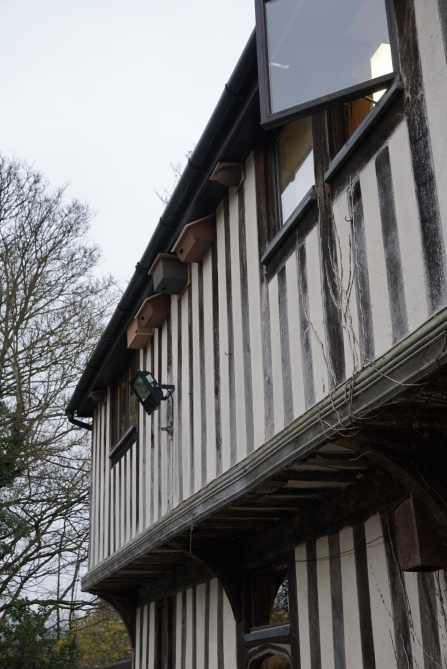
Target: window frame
[277,230]
[125,376]
[254,597]
[270,119]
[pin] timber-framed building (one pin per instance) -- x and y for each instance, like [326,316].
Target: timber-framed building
[269,399]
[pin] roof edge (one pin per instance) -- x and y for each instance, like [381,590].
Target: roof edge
[233,96]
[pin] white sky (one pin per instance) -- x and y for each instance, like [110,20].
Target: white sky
[104,94]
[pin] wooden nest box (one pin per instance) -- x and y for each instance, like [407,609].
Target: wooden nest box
[196,240]
[419,545]
[138,335]
[154,311]
[169,274]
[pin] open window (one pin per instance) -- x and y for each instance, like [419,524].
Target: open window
[314,54]
[269,598]
[295,174]
[286,164]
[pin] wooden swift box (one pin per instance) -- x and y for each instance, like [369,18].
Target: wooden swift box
[420,548]
[169,274]
[196,240]
[154,311]
[138,335]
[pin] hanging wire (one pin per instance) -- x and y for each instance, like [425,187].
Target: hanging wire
[351,551]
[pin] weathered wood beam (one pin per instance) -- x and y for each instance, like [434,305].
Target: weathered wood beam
[410,361]
[125,605]
[322,491]
[346,476]
[331,462]
[426,486]
[324,516]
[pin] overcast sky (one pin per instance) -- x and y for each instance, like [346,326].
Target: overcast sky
[104,94]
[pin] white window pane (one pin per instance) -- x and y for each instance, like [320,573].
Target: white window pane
[295,165]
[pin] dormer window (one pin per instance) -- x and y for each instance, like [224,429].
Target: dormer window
[317,53]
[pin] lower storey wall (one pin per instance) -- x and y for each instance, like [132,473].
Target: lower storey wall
[203,635]
[357,610]
[354,609]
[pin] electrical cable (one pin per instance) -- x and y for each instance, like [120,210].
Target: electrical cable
[351,550]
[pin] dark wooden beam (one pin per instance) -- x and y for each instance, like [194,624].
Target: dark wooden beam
[411,361]
[226,567]
[426,485]
[307,492]
[323,475]
[125,605]
[335,463]
[321,517]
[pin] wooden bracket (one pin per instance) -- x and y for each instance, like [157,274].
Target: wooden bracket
[126,609]
[424,487]
[225,567]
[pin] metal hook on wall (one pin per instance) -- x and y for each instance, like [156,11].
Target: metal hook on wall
[169,429]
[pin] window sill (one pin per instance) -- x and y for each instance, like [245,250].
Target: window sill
[273,632]
[290,225]
[364,128]
[122,446]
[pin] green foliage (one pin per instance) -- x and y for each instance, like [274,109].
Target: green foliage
[11,450]
[27,642]
[101,638]
[11,446]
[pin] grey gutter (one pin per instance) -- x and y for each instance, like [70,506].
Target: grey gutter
[189,185]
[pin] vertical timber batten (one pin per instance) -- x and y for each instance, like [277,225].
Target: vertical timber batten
[328,251]
[422,157]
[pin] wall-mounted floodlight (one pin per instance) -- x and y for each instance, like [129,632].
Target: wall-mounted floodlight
[150,393]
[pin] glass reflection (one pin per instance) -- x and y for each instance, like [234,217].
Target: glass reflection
[319,47]
[295,165]
[141,389]
[280,609]
[275,662]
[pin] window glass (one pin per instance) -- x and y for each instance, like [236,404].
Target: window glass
[270,597]
[126,403]
[122,419]
[133,399]
[280,609]
[319,47]
[295,164]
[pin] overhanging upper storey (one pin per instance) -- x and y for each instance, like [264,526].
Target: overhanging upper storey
[290,263]
[314,54]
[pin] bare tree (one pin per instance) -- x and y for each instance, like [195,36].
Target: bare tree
[52,309]
[177,170]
